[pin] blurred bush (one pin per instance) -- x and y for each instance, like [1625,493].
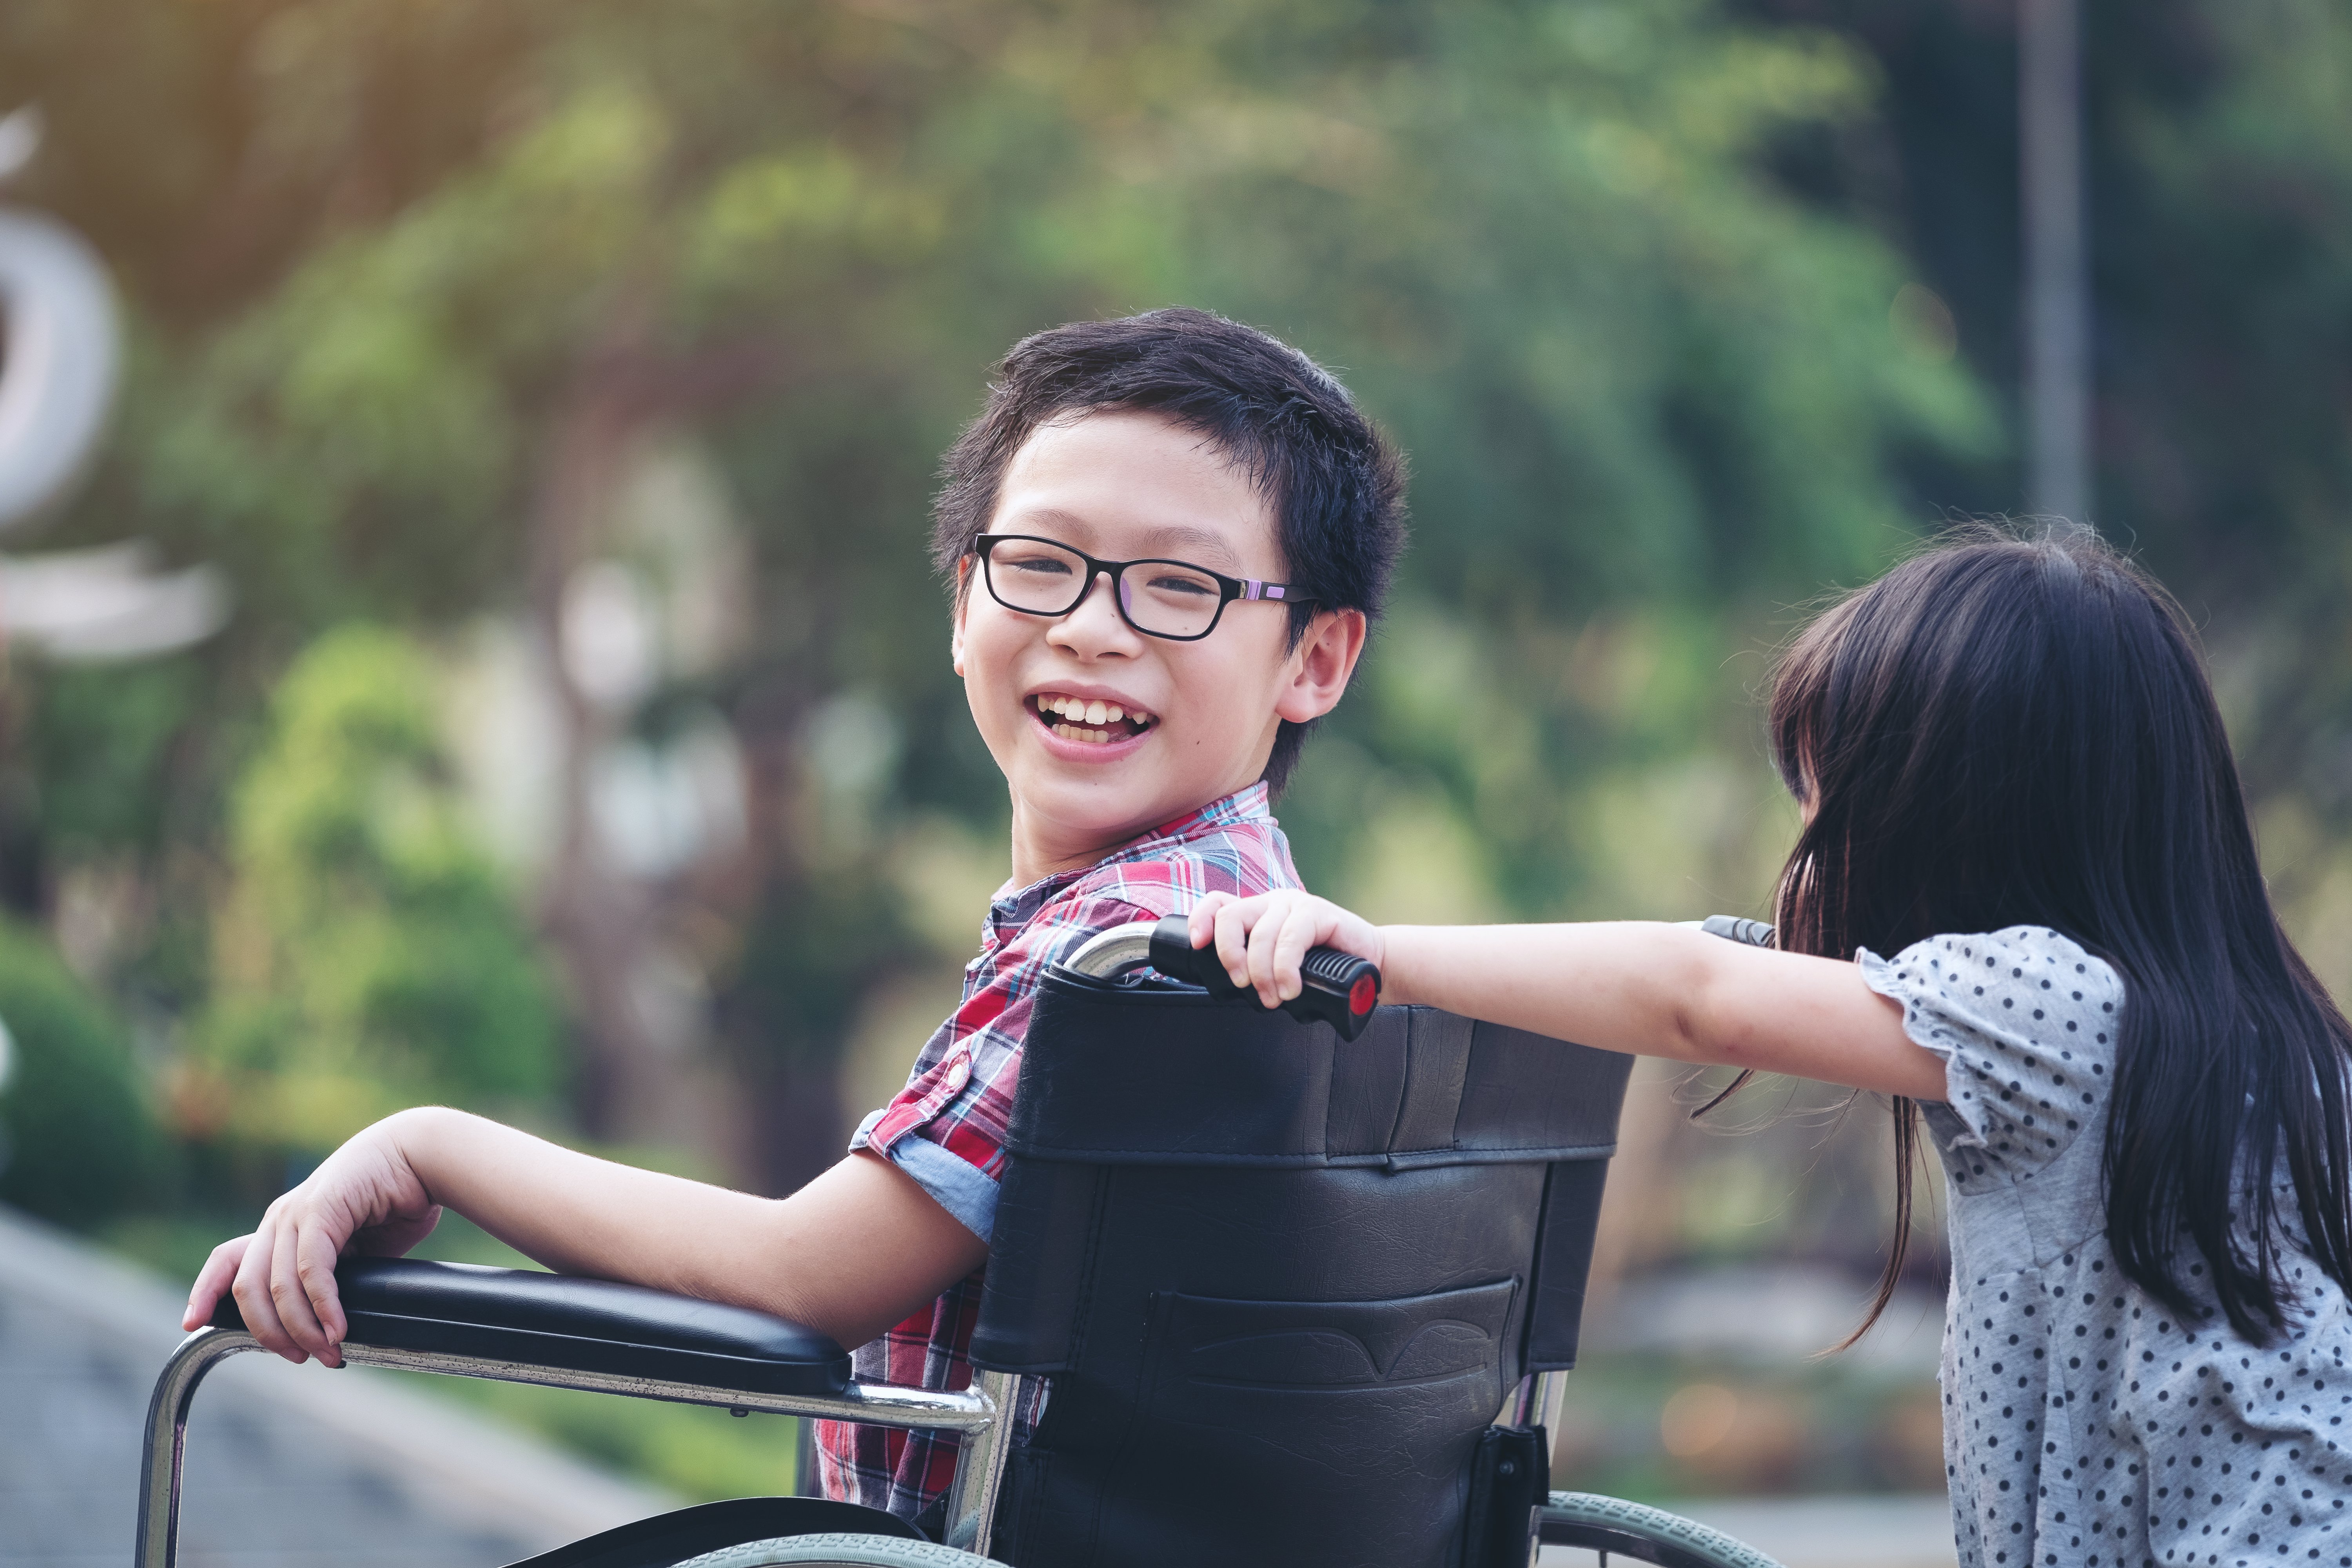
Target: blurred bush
[367,955]
[78,1142]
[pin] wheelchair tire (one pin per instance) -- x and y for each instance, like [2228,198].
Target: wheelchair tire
[837,1551]
[1642,1534]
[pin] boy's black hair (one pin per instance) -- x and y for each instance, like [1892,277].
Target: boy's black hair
[2013,731]
[1336,487]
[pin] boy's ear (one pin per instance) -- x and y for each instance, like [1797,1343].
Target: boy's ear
[1320,665]
[955,622]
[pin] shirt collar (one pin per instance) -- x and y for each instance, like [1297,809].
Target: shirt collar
[1012,907]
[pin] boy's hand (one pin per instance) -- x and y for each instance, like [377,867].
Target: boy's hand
[364,1198]
[1262,940]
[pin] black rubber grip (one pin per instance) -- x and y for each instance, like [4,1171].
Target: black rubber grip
[578,1325]
[1337,988]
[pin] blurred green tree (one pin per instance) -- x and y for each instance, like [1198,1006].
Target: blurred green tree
[1651,394]
[367,955]
[1648,389]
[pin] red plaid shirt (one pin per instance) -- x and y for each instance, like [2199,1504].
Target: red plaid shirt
[947,1127]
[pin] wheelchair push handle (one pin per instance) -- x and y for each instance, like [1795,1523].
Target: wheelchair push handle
[1732,928]
[1337,988]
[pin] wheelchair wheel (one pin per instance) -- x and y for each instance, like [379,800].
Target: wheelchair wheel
[837,1551]
[1617,1529]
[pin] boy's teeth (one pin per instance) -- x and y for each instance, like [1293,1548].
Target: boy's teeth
[1085,718]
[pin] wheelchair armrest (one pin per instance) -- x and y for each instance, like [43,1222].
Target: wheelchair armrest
[578,1325]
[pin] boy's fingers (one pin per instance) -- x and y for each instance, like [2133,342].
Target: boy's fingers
[1297,934]
[289,1295]
[315,1262]
[1233,943]
[1261,974]
[251,1289]
[1201,925]
[212,1282]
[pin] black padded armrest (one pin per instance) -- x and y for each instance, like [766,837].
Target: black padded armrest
[577,1325]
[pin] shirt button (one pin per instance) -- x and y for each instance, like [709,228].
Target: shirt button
[959,1074]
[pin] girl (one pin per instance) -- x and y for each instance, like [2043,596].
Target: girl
[2015,781]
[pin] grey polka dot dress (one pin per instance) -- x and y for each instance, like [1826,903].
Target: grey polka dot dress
[2085,1427]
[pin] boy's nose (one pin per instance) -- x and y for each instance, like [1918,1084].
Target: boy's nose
[1095,624]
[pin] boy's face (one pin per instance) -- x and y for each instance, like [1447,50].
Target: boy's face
[1123,486]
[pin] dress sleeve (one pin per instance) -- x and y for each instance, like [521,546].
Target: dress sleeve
[2025,1021]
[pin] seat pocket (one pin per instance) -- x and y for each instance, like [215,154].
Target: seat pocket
[1341,1430]
[1332,1346]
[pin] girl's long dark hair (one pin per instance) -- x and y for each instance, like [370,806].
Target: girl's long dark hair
[2008,732]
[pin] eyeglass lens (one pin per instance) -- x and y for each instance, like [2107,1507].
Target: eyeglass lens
[1168,598]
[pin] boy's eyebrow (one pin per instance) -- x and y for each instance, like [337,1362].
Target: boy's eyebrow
[1175,540]
[1175,537]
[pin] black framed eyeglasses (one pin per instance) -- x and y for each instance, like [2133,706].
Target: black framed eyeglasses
[1172,599]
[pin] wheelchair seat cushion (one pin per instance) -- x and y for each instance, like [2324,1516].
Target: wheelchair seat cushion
[580,1325]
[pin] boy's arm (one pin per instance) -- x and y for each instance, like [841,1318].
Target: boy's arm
[1632,986]
[848,1255]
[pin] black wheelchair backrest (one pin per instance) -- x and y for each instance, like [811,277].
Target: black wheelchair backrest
[1283,1283]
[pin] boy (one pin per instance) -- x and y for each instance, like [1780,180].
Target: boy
[1167,536]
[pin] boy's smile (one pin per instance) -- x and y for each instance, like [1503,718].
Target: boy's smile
[1090,722]
[1102,733]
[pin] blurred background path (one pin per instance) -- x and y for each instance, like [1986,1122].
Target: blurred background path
[289,1468]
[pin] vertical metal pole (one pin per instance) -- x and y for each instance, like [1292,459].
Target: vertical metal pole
[808,1480]
[2057,276]
[980,1468]
[167,1439]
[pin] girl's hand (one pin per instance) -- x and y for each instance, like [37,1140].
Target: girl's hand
[365,1199]
[1262,940]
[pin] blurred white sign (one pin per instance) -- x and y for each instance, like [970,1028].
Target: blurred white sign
[89,605]
[56,383]
[60,354]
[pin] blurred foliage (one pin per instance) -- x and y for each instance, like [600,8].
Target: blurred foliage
[367,956]
[1630,369]
[1654,1428]
[2221,209]
[1650,395]
[78,1142]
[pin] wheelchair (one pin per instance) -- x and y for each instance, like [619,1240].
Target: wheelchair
[1302,1286]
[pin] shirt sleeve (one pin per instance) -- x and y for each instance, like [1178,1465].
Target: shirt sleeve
[2025,1021]
[946,1128]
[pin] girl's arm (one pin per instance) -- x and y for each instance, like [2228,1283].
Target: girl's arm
[1633,987]
[848,1255]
